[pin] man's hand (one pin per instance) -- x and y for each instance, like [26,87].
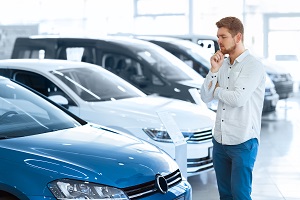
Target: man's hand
[216,61]
[217,85]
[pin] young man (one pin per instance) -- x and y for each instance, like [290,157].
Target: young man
[238,82]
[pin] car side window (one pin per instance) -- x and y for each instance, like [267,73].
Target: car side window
[209,45]
[198,67]
[40,84]
[29,53]
[5,73]
[129,69]
[182,57]
[82,54]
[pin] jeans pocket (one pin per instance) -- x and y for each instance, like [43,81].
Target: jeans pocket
[250,143]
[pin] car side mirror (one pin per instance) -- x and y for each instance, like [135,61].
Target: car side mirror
[139,80]
[59,99]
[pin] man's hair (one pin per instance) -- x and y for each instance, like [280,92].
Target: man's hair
[233,24]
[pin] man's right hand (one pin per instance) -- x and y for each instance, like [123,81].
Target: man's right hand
[216,61]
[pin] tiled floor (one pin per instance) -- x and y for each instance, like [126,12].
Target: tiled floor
[277,169]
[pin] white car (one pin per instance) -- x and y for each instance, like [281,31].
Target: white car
[97,95]
[291,64]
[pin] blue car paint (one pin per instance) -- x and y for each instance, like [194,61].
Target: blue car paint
[81,153]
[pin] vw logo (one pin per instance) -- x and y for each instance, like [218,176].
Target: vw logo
[161,184]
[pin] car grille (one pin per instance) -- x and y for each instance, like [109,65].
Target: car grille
[146,189]
[199,136]
[199,164]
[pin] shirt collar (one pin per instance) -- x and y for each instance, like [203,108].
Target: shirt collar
[240,58]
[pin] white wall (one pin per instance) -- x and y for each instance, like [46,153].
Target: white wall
[101,17]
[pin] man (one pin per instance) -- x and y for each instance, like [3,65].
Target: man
[238,82]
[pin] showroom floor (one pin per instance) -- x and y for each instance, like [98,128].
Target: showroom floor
[277,170]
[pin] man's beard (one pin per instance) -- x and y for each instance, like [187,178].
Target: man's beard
[228,50]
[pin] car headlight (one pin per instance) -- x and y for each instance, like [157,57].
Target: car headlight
[72,189]
[289,77]
[159,135]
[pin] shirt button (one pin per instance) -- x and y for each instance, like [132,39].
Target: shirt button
[212,76]
[228,77]
[223,108]
[222,120]
[227,87]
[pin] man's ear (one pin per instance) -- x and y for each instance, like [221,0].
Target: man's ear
[239,37]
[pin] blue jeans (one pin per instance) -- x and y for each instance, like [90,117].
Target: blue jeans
[233,167]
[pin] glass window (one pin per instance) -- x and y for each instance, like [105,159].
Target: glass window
[24,113]
[130,70]
[169,66]
[99,86]
[208,45]
[41,84]
[29,53]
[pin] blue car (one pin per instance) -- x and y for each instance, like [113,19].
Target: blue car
[48,153]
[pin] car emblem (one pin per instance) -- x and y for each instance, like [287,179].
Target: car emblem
[161,183]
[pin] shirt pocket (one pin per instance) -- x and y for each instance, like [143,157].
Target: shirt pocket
[235,75]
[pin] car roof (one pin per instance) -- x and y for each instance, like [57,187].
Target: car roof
[198,36]
[43,65]
[185,36]
[159,38]
[180,43]
[123,41]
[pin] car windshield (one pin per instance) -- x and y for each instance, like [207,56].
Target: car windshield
[169,66]
[95,84]
[24,113]
[197,52]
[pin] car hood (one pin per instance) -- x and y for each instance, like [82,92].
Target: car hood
[90,154]
[142,112]
[274,68]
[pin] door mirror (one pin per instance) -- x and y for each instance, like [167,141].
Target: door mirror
[59,99]
[139,80]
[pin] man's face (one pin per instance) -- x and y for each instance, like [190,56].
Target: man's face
[226,41]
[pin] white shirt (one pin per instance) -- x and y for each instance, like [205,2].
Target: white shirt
[241,95]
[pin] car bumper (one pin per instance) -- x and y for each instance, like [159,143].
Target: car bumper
[284,89]
[181,191]
[199,158]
